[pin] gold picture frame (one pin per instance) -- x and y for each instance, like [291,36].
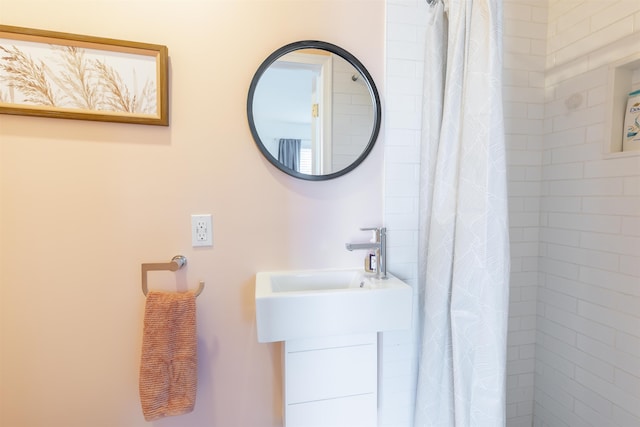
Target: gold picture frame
[61,75]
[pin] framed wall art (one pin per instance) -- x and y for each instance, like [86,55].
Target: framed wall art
[61,75]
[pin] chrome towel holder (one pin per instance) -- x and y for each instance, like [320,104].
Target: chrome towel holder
[177,262]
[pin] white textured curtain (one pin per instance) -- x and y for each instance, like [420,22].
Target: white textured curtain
[464,246]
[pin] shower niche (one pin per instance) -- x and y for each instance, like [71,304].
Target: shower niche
[624,77]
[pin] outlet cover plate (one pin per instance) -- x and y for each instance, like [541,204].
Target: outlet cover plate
[201,230]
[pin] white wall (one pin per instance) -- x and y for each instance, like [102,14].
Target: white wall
[83,204]
[588,330]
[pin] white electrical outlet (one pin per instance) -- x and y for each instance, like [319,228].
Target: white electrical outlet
[201,230]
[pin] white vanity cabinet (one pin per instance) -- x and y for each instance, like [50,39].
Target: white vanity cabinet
[331,381]
[329,322]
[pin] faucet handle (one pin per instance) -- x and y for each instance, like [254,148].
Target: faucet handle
[379,233]
[378,230]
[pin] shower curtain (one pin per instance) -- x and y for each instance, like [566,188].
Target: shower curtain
[289,153]
[464,247]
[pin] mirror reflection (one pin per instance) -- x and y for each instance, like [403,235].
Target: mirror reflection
[313,110]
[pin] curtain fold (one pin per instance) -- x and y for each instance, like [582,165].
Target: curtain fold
[289,153]
[464,246]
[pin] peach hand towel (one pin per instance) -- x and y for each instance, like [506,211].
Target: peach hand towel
[168,366]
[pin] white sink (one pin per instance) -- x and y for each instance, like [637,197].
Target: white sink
[316,303]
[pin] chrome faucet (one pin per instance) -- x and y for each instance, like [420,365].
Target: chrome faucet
[380,247]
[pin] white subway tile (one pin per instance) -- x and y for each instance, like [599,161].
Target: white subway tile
[612,205]
[632,186]
[582,82]
[610,317]
[563,171]
[399,204]
[402,32]
[539,12]
[558,299]
[556,331]
[528,29]
[538,48]
[523,188]
[617,282]
[403,173]
[626,401]
[556,365]
[583,12]
[568,36]
[401,221]
[523,94]
[522,308]
[588,187]
[624,418]
[517,11]
[631,226]
[527,351]
[406,13]
[576,153]
[611,53]
[514,110]
[560,236]
[519,338]
[531,263]
[401,68]
[516,142]
[579,118]
[630,265]
[590,416]
[616,243]
[628,303]
[536,79]
[515,78]
[535,111]
[615,12]
[597,95]
[401,138]
[596,223]
[627,382]
[628,344]
[403,154]
[400,85]
[516,45]
[602,37]
[595,133]
[579,324]
[568,137]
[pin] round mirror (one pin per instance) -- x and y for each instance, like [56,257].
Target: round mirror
[313,110]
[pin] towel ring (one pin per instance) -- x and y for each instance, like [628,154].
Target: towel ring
[177,262]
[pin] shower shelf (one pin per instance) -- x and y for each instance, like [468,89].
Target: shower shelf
[624,77]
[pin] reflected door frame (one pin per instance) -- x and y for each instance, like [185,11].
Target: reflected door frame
[321,135]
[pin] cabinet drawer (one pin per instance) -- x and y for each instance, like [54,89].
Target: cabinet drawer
[354,411]
[330,373]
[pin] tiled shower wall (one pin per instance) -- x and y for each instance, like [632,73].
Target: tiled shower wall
[524,59]
[588,330]
[574,327]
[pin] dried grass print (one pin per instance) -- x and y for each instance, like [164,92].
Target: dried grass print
[76,82]
[27,76]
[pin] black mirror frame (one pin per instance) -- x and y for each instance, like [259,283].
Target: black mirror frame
[314,44]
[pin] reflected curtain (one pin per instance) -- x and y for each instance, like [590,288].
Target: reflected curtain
[289,153]
[463,242]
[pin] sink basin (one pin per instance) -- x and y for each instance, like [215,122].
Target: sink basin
[316,303]
[318,281]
